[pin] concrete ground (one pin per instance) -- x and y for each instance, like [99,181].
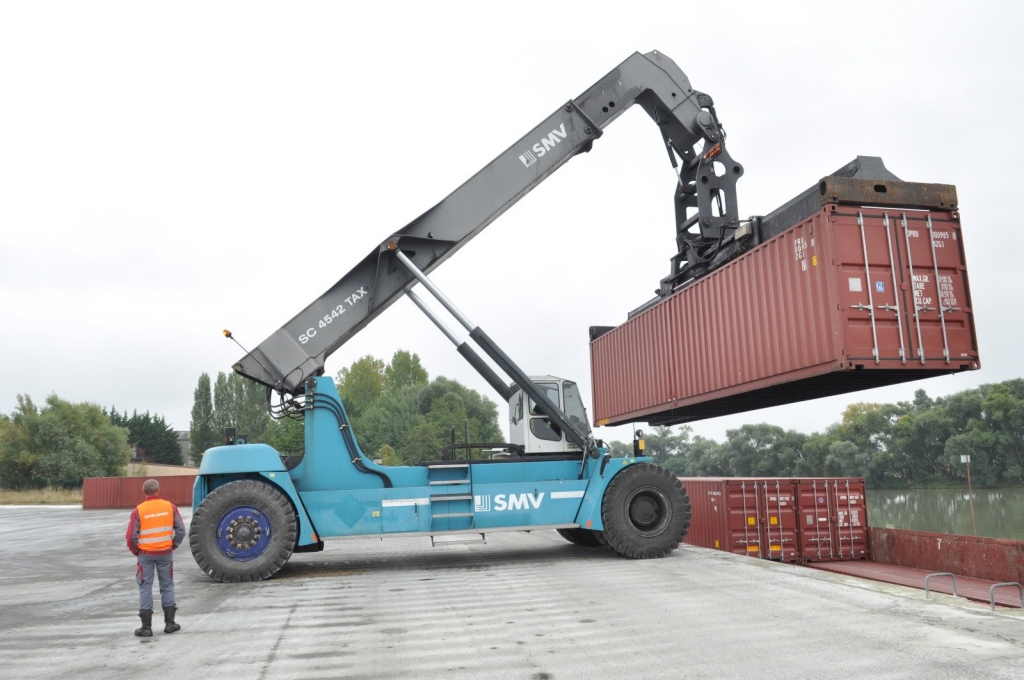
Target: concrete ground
[523,606]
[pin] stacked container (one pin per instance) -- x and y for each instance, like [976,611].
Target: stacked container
[809,519]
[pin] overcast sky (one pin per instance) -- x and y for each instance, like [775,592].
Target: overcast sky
[168,170]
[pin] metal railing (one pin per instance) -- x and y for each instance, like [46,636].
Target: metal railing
[992,593]
[950,574]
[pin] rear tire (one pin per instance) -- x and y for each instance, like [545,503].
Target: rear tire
[243,531]
[582,537]
[646,512]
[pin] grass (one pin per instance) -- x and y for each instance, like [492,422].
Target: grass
[46,496]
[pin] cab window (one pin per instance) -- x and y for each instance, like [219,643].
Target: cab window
[542,428]
[549,390]
[574,408]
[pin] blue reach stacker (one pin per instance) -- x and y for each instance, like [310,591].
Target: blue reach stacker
[254,507]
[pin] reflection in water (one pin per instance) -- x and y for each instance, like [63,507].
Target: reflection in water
[999,512]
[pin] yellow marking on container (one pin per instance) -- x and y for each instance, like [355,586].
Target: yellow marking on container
[271,474]
[776,547]
[814,260]
[716,543]
[773,520]
[376,513]
[604,421]
[753,548]
[751,521]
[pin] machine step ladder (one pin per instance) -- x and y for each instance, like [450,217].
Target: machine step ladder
[451,507]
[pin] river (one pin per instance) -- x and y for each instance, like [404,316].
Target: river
[999,513]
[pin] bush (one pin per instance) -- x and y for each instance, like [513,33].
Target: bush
[59,445]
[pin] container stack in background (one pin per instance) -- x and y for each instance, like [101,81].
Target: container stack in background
[790,519]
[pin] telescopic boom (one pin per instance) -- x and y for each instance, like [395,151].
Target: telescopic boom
[705,202]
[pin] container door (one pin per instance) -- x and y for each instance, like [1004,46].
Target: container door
[814,497]
[937,299]
[746,512]
[779,520]
[851,527]
[869,286]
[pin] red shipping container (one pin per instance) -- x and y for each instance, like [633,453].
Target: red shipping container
[849,299]
[746,516]
[833,519]
[126,492]
[100,492]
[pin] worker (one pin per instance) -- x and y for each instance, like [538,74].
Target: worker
[155,531]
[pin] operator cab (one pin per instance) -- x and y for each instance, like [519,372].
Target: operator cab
[534,431]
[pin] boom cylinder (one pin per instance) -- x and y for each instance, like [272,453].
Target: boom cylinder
[492,350]
[464,348]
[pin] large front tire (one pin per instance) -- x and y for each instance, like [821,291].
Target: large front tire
[646,512]
[243,531]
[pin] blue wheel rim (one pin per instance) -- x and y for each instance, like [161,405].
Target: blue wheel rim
[243,533]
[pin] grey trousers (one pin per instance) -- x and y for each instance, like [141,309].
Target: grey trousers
[163,566]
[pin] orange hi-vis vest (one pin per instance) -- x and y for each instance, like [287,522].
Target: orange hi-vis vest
[156,525]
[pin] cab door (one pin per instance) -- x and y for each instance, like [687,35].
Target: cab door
[543,436]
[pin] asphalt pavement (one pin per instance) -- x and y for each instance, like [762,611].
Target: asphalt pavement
[528,606]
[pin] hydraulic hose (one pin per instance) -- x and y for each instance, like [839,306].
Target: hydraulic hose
[350,441]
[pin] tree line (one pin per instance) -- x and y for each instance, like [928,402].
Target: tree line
[149,435]
[398,414]
[403,417]
[911,443]
[60,443]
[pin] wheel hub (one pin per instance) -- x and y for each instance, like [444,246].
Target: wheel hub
[243,533]
[648,511]
[643,511]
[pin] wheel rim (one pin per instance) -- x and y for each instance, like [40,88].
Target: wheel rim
[243,533]
[648,511]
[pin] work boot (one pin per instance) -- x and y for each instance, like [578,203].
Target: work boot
[169,625]
[147,623]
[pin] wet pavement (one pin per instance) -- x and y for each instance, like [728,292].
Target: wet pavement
[526,606]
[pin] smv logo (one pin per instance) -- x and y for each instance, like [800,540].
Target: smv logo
[512,501]
[543,146]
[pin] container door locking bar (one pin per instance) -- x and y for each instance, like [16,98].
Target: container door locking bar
[913,282]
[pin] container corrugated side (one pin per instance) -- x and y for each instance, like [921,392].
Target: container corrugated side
[126,492]
[100,492]
[798,317]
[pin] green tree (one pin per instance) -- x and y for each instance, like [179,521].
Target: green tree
[242,404]
[287,436]
[361,384]
[59,444]
[149,435]
[706,458]
[662,443]
[763,450]
[403,370]
[201,435]
[402,417]
[620,449]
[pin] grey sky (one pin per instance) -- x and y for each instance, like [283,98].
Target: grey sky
[167,171]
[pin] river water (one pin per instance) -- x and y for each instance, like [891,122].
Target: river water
[998,513]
